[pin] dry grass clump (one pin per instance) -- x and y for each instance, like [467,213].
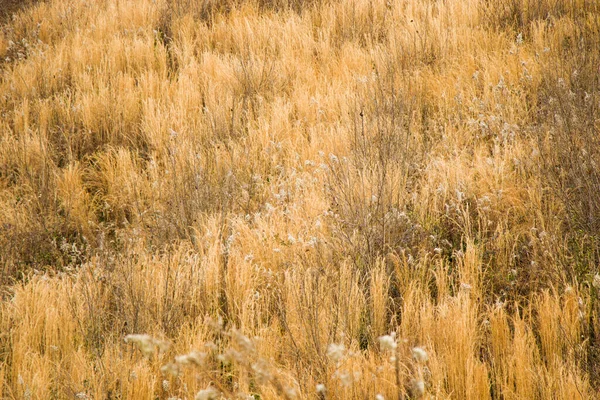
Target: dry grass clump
[300,199]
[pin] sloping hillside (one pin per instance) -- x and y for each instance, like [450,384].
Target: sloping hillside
[321,199]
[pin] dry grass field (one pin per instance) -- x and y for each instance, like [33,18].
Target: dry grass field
[285,199]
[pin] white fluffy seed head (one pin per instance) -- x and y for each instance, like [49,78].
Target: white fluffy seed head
[336,352]
[569,290]
[147,344]
[596,282]
[418,388]
[194,358]
[419,354]
[388,342]
[465,287]
[170,369]
[207,394]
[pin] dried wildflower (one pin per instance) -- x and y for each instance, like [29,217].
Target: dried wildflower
[262,373]
[147,344]
[596,281]
[207,394]
[211,346]
[170,369]
[418,388]
[243,341]
[569,290]
[520,38]
[194,358]
[501,85]
[419,354]
[344,377]
[321,388]
[312,242]
[379,396]
[291,392]
[269,208]
[336,352]
[388,342]
[465,287]
[225,358]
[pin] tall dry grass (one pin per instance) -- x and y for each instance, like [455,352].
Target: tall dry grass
[300,199]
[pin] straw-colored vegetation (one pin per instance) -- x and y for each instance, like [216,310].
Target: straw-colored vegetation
[324,199]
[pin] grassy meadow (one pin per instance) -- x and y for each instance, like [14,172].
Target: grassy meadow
[285,199]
